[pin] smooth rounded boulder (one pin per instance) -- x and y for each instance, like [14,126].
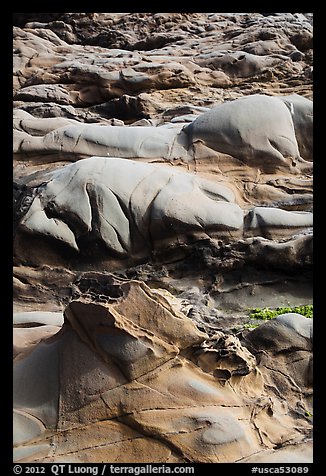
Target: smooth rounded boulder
[257,129]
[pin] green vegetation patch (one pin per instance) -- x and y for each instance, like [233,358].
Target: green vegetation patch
[266,313]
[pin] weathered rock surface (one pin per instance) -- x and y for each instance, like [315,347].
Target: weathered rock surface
[267,132]
[141,398]
[257,128]
[163,185]
[138,51]
[100,206]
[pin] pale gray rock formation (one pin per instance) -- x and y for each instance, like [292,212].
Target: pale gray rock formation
[291,453]
[129,205]
[263,131]
[302,115]
[257,129]
[84,140]
[25,123]
[133,207]
[239,63]
[269,222]
[222,220]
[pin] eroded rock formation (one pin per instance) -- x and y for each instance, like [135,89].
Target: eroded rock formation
[133,208]
[279,127]
[118,382]
[163,185]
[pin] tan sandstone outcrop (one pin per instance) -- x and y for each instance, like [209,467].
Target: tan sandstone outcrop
[119,383]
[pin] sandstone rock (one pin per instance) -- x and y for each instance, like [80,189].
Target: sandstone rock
[44,93]
[30,319]
[157,197]
[163,185]
[241,38]
[133,207]
[138,390]
[287,331]
[302,115]
[20,19]
[257,129]
[253,128]
[26,338]
[224,356]
[283,347]
[238,64]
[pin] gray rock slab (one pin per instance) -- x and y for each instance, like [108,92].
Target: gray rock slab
[112,196]
[32,318]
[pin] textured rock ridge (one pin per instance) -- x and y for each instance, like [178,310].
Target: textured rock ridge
[132,207]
